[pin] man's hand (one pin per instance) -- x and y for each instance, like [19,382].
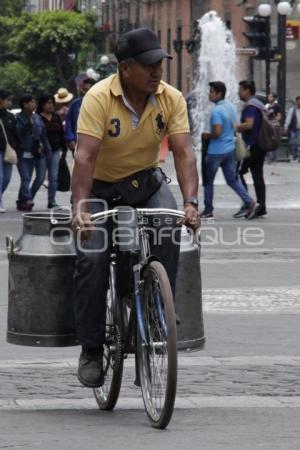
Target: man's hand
[192,218]
[205,136]
[81,223]
[71,145]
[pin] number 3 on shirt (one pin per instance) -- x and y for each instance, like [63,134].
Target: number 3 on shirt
[117,130]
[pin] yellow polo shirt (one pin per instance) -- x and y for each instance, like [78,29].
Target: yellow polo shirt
[128,144]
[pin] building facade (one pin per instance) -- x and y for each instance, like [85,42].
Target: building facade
[175,22]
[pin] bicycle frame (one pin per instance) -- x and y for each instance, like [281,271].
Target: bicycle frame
[144,255]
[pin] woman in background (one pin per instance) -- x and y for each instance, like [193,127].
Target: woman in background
[55,135]
[10,126]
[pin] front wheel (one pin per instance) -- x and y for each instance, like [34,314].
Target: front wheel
[107,395]
[157,349]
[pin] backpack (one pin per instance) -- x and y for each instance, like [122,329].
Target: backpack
[269,135]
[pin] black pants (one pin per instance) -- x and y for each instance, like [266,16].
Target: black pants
[255,163]
[92,267]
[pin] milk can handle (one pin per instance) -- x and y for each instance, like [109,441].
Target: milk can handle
[10,246]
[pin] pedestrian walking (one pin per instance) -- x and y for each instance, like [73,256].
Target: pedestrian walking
[62,102]
[292,129]
[274,115]
[55,136]
[221,151]
[251,120]
[73,113]
[122,121]
[8,130]
[34,149]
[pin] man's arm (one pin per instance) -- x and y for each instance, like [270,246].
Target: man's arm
[82,178]
[70,126]
[288,119]
[247,125]
[187,175]
[216,131]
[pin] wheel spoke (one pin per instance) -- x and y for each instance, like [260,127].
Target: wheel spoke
[157,381]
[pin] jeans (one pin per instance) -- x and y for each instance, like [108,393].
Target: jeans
[295,144]
[52,166]
[5,175]
[228,165]
[92,269]
[272,156]
[255,163]
[26,167]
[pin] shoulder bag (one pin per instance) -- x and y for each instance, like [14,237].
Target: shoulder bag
[241,150]
[10,154]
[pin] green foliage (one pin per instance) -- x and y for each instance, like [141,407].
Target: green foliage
[53,38]
[19,78]
[45,48]
[6,27]
[11,8]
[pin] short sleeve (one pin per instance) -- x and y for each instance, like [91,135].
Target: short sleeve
[92,115]
[216,117]
[250,112]
[178,122]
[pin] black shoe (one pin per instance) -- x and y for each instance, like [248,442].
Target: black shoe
[260,211]
[27,206]
[90,369]
[52,205]
[241,212]
[251,211]
[206,215]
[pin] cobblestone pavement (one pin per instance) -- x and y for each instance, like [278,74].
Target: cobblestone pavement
[253,300]
[240,377]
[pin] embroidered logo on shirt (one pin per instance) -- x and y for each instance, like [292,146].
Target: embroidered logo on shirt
[159,123]
[117,124]
[135,183]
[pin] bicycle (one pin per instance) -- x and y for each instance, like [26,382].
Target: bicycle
[143,322]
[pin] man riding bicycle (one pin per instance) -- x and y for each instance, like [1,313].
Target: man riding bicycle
[121,124]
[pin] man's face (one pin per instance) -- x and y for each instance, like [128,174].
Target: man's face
[85,87]
[214,96]
[5,103]
[271,98]
[298,103]
[143,78]
[243,93]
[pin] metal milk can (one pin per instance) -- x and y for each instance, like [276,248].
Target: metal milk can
[41,266]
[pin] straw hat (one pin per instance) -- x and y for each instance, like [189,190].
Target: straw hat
[63,96]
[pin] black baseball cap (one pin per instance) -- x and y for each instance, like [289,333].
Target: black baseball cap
[142,45]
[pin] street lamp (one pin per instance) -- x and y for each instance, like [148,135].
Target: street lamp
[284,8]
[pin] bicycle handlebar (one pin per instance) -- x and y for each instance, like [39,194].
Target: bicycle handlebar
[140,211]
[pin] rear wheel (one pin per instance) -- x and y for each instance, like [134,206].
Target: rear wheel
[107,395]
[157,357]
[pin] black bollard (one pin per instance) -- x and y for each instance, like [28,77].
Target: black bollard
[190,332]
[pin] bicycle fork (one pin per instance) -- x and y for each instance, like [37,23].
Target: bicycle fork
[138,302]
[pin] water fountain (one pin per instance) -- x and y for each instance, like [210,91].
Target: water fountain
[216,62]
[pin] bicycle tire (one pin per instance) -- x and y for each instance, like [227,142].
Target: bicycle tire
[107,395]
[158,389]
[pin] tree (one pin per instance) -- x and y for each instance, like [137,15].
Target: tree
[53,40]
[12,8]
[19,78]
